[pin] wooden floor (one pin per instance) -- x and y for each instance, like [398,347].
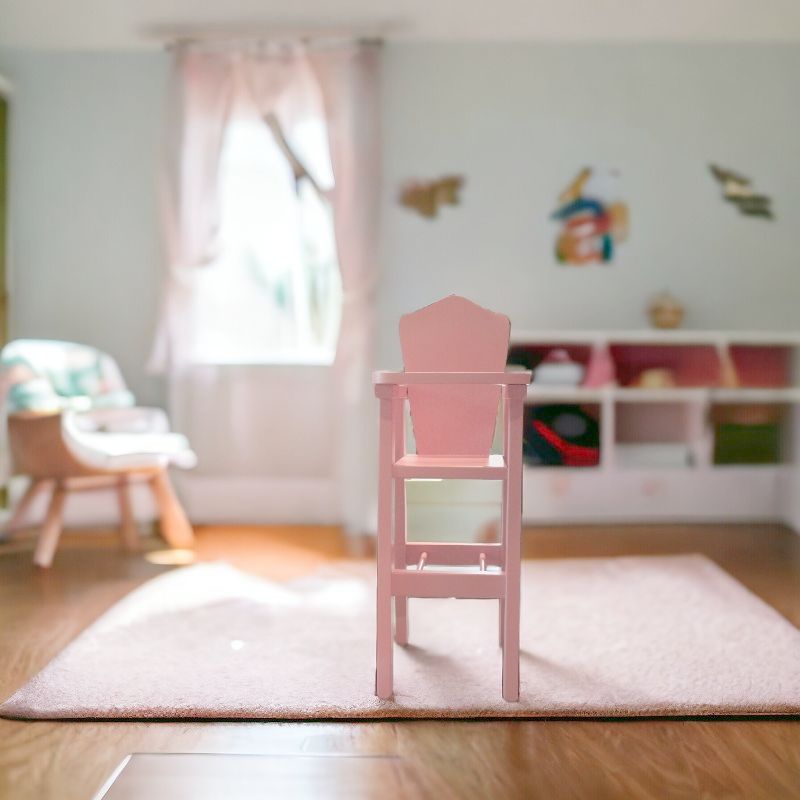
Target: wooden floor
[752,758]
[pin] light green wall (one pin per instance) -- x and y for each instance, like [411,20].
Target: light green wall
[517,120]
[3,214]
[86,254]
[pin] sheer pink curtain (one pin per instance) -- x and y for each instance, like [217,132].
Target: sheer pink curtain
[347,83]
[349,79]
[206,88]
[279,81]
[268,73]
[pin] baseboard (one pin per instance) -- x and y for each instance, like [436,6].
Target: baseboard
[213,500]
[316,501]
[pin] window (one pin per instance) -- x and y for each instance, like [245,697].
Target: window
[274,293]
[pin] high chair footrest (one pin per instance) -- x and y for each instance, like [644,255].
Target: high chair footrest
[454,553]
[433,582]
[454,569]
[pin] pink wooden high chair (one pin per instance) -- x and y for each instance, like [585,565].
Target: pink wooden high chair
[454,354]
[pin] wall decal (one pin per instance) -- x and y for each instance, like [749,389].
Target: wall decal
[594,218]
[425,197]
[738,190]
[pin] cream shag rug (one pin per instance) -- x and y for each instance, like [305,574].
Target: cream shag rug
[619,637]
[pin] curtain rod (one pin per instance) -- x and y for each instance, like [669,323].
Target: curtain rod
[175,36]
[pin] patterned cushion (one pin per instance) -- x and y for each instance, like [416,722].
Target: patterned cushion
[48,375]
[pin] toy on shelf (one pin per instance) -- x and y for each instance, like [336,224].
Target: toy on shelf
[655,378]
[561,435]
[560,364]
[558,369]
[666,311]
[454,353]
[600,370]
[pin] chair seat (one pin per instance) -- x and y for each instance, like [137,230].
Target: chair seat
[414,466]
[120,451]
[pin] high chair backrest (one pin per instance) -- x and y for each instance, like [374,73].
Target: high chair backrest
[454,335]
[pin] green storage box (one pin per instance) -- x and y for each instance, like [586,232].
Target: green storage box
[747,444]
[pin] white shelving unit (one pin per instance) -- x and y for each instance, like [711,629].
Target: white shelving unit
[656,336]
[712,369]
[764,365]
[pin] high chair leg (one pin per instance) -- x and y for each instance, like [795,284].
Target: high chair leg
[511,652]
[399,551]
[383,620]
[502,621]
[512,529]
[384,657]
[401,620]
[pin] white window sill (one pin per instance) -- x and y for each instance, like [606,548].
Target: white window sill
[294,360]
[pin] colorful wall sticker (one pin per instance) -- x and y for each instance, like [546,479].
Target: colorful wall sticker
[594,220]
[738,190]
[426,197]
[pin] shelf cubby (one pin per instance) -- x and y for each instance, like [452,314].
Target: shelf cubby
[689,365]
[659,434]
[761,366]
[530,356]
[574,444]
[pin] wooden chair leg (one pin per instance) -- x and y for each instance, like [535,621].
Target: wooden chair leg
[51,530]
[502,621]
[175,526]
[127,524]
[383,635]
[19,514]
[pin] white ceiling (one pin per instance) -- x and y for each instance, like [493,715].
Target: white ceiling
[104,24]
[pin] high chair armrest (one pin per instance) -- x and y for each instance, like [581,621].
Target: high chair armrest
[508,378]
